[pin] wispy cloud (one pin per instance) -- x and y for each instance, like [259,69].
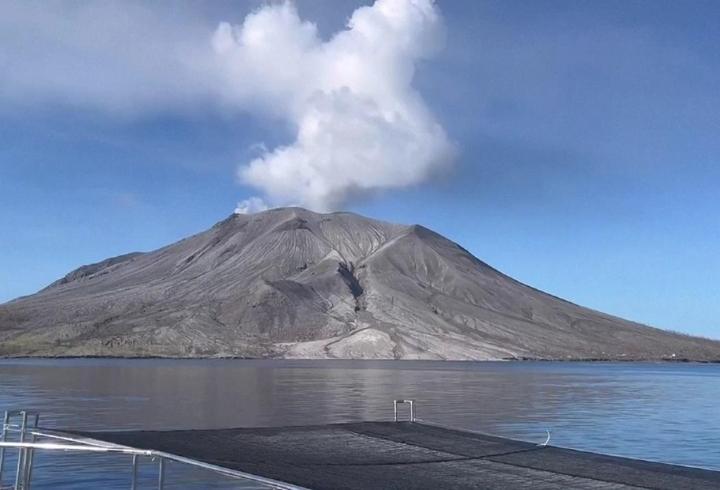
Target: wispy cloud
[121,58]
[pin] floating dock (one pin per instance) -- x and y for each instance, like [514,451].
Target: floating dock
[366,455]
[410,455]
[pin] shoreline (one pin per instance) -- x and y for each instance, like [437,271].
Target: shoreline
[241,358]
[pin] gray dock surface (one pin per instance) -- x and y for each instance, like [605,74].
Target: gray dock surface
[409,455]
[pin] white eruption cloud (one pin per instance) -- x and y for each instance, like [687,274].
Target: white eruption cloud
[360,125]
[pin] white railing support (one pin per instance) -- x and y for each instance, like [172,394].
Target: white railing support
[20,474]
[3,438]
[161,473]
[133,481]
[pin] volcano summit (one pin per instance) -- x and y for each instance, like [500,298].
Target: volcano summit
[292,283]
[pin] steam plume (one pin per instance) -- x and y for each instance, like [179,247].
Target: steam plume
[360,125]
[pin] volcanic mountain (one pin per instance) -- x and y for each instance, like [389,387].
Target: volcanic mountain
[297,284]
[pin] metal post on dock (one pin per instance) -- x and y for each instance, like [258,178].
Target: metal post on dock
[30,455]
[20,474]
[412,408]
[161,473]
[3,438]
[133,481]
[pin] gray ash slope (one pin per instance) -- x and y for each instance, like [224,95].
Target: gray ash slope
[297,284]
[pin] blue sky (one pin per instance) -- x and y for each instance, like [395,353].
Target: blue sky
[588,156]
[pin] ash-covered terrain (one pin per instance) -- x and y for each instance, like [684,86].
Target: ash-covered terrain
[297,284]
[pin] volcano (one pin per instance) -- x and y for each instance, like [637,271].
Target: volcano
[291,283]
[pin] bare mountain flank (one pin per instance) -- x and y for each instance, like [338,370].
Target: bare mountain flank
[297,284]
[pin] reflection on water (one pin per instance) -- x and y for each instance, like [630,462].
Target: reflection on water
[663,412]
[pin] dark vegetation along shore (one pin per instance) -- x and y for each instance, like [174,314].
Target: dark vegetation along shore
[296,284]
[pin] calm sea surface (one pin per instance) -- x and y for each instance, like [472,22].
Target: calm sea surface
[660,412]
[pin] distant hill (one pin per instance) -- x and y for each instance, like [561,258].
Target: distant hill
[297,284]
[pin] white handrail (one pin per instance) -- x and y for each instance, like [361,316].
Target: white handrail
[96,446]
[74,447]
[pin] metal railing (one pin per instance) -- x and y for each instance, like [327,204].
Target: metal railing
[26,421]
[404,402]
[30,438]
